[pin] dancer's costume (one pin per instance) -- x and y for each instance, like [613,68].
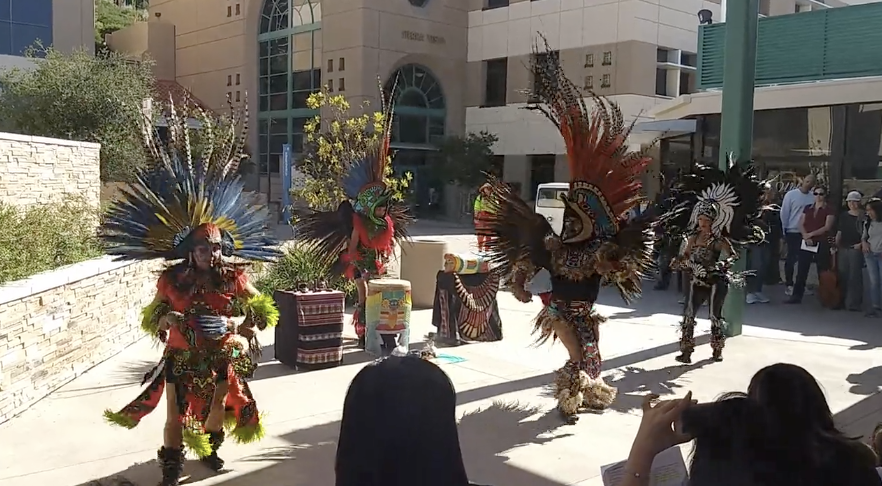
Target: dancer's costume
[180,202]
[598,245]
[731,201]
[353,240]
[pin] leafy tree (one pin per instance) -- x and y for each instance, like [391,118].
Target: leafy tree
[466,159]
[110,17]
[81,97]
[327,154]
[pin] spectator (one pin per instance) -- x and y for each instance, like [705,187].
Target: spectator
[849,256]
[792,208]
[399,427]
[759,256]
[814,225]
[483,210]
[871,244]
[780,433]
[776,240]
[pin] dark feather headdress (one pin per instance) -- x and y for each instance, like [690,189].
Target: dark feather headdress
[730,198]
[183,195]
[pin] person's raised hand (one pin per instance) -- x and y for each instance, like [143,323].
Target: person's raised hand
[659,426]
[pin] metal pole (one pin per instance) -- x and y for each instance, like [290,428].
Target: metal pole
[736,131]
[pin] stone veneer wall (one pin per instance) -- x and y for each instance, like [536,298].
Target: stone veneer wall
[57,325]
[37,170]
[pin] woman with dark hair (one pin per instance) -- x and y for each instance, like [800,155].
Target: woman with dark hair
[799,414]
[871,244]
[780,433]
[422,448]
[815,224]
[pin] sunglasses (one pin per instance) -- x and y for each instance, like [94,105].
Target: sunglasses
[820,194]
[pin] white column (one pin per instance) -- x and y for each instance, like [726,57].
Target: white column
[722,11]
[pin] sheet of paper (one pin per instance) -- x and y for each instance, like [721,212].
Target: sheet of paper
[668,469]
[813,249]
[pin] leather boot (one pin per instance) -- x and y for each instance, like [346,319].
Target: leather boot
[215,463]
[171,461]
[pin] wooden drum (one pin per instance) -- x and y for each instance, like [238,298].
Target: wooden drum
[387,311]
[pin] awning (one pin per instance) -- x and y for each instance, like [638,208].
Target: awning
[646,132]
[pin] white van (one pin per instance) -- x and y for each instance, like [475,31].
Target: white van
[548,203]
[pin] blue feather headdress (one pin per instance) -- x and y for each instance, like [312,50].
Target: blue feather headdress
[182,196]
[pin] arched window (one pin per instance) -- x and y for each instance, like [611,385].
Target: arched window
[289,57]
[420,108]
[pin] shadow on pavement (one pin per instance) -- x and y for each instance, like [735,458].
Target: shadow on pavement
[485,435]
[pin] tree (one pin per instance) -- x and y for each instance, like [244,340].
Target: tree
[466,159]
[327,154]
[111,17]
[81,97]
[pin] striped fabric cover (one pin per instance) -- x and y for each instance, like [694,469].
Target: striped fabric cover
[317,332]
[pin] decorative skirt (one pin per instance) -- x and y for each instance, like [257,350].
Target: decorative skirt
[195,373]
[577,384]
[465,308]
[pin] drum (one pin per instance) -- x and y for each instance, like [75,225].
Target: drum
[387,312]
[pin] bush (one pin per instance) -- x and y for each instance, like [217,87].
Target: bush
[46,237]
[297,267]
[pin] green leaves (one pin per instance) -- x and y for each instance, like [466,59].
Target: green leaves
[110,17]
[466,159]
[81,97]
[328,151]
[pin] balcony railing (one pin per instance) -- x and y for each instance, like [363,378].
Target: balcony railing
[835,43]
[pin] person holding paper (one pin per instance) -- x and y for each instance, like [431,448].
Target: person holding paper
[814,224]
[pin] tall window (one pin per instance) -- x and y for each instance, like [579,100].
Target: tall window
[496,82]
[22,23]
[420,108]
[537,85]
[289,51]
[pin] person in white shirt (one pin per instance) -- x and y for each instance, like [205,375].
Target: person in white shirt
[792,207]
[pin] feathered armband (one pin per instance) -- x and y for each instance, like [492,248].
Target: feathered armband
[150,317]
[261,312]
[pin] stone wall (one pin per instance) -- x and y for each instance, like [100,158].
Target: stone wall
[57,325]
[36,170]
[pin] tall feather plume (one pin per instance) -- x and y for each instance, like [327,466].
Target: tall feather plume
[370,166]
[595,137]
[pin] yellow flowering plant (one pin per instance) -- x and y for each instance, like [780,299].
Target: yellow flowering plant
[331,146]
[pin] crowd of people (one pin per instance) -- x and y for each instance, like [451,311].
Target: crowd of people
[779,432]
[806,230]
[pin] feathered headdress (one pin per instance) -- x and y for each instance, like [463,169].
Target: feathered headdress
[181,198]
[730,198]
[604,183]
[364,182]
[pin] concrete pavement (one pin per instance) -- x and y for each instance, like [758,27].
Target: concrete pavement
[510,433]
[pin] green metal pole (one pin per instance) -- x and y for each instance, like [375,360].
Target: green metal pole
[736,130]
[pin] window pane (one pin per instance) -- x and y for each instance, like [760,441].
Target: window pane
[302,81]
[302,41]
[278,126]
[5,38]
[414,129]
[278,47]
[316,79]
[661,82]
[264,67]
[264,103]
[263,50]
[5,9]
[279,102]
[264,85]
[279,64]
[301,61]
[24,36]
[278,84]
[495,88]
[37,12]
[298,99]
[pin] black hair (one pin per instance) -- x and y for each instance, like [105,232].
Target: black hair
[876,205]
[399,427]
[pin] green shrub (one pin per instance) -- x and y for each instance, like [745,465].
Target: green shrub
[298,266]
[46,237]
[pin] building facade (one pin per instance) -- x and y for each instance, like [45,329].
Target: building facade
[818,100]
[63,24]
[458,66]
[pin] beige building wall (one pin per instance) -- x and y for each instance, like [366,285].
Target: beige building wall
[73,25]
[154,40]
[376,37]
